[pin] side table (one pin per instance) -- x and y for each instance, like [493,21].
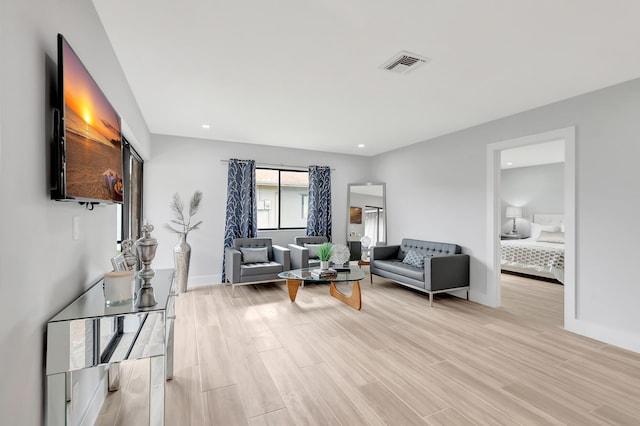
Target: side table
[88,333]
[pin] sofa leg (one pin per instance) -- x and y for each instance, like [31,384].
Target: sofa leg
[430,299]
[371,278]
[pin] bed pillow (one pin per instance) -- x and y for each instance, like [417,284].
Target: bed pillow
[551,237]
[537,228]
[313,250]
[414,258]
[254,255]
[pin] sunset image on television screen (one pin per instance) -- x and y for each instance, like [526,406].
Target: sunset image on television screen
[93,140]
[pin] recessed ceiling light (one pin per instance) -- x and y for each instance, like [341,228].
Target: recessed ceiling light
[361,145]
[206,126]
[509,164]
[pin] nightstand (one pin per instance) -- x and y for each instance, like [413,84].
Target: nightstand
[512,237]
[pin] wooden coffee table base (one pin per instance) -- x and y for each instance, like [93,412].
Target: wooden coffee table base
[292,286]
[355,300]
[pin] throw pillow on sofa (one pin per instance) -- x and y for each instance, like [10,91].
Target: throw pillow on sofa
[313,250]
[414,258]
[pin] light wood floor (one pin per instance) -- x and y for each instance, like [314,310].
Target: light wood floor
[258,359]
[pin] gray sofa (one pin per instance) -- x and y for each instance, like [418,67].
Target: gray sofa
[253,261]
[303,257]
[445,267]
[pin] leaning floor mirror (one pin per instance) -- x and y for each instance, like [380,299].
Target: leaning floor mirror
[367,223]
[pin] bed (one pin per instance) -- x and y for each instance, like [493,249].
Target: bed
[541,254]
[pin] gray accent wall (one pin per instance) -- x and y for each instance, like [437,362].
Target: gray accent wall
[441,186]
[41,268]
[537,189]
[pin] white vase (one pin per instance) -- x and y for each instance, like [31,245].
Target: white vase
[324,264]
[181,257]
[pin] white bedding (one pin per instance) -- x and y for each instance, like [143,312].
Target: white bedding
[530,256]
[531,242]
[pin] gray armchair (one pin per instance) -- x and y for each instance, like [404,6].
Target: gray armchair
[305,256]
[255,260]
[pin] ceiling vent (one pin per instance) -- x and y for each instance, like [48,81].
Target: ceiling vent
[404,62]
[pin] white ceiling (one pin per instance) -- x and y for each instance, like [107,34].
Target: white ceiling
[533,155]
[305,74]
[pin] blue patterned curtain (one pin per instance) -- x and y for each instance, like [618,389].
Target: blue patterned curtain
[242,212]
[319,218]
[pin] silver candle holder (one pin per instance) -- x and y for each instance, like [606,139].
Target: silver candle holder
[146,249]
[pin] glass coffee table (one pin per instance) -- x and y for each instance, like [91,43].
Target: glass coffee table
[298,276]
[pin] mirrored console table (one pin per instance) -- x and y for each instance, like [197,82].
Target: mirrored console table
[88,333]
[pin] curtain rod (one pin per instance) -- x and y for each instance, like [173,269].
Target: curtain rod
[274,165]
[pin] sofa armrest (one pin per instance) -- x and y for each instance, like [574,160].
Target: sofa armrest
[299,256]
[282,256]
[384,252]
[232,261]
[443,272]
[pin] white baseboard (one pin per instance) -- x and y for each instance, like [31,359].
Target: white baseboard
[204,280]
[610,336]
[604,334]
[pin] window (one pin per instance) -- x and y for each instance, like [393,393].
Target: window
[374,223]
[283,198]
[130,212]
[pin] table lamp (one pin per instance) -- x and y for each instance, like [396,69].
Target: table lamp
[514,213]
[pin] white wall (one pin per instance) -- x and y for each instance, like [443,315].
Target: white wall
[537,189]
[441,185]
[184,165]
[41,268]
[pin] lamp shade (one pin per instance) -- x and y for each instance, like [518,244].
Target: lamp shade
[514,212]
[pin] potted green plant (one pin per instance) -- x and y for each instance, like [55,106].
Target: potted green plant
[324,254]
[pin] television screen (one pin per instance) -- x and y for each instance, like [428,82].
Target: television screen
[90,149]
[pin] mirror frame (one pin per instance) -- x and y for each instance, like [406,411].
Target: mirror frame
[384,207]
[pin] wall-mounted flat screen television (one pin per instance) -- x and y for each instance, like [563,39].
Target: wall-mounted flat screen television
[87,148]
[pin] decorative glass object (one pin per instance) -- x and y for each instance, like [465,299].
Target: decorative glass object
[118,287]
[340,254]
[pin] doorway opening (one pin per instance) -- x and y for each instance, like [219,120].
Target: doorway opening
[496,226]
